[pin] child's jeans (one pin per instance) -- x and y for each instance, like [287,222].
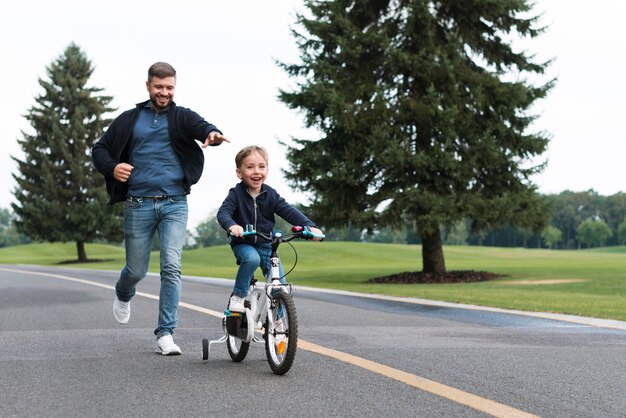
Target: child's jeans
[250,257]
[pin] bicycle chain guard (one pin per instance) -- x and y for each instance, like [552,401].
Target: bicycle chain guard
[239,324]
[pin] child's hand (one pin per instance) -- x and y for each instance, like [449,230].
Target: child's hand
[236,230]
[316,232]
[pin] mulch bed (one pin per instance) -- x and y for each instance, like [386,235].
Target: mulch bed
[455,276]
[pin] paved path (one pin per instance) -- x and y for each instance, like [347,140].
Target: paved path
[63,355]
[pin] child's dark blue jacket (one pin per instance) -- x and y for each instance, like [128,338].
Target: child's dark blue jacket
[242,209]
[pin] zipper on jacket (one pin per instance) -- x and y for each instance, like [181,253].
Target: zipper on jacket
[255,217]
[255,211]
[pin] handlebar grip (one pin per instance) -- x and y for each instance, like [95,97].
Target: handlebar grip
[248,231]
[245,233]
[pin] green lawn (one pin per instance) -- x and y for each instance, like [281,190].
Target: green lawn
[592,282]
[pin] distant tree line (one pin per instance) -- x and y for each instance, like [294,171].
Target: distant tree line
[578,220]
[9,235]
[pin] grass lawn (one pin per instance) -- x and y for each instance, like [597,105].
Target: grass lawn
[583,282]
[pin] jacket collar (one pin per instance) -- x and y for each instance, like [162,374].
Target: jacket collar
[141,105]
[241,185]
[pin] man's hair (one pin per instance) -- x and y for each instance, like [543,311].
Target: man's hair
[161,70]
[246,151]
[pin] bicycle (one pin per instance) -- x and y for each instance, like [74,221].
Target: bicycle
[269,307]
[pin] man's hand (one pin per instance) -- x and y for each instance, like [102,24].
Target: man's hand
[122,172]
[214,138]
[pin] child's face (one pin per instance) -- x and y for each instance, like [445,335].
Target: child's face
[253,171]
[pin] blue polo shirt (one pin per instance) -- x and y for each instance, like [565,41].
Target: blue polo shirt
[157,169]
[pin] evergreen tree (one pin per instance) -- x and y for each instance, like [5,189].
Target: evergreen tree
[60,195]
[424,112]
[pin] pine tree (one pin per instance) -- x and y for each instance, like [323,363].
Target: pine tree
[424,112]
[61,198]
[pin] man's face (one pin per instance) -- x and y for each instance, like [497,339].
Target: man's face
[161,92]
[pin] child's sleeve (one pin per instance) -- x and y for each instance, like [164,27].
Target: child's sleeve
[226,211]
[291,214]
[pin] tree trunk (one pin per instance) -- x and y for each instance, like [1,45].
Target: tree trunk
[80,248]
[432,253]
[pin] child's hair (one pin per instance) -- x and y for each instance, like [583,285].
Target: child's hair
[246,151]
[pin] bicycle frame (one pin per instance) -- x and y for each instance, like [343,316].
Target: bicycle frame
[260,301]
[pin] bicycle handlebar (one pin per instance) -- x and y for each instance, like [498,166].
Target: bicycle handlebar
[297,232]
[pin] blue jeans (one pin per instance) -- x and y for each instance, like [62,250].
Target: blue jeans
[142,217]
[250,258]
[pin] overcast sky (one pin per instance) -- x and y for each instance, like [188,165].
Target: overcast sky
[224,54]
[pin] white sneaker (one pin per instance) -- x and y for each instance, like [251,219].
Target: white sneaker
[121,311]
[235,304]
[165,345]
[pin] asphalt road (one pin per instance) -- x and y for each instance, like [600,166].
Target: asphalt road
[63,355]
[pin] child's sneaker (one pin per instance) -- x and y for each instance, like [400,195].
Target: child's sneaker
[235,304]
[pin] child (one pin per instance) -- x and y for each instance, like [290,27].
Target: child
[252,202]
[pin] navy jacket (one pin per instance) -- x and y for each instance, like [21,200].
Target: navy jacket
[185,128]
[242,209]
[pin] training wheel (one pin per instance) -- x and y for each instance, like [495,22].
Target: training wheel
[205,349]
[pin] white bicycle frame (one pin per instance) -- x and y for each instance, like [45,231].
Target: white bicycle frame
[260,308]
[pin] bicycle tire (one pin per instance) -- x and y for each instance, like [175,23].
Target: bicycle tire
[237,348]
[205,349]
[280,347]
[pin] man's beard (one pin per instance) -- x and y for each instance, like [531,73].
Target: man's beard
[157,106]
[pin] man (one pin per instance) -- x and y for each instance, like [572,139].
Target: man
[150,159]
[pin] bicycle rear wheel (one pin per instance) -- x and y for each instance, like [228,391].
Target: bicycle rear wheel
[237,348]
[281,343]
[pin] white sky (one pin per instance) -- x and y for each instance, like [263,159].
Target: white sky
[224,54]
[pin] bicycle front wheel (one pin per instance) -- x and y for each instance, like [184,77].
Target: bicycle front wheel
[282,341]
